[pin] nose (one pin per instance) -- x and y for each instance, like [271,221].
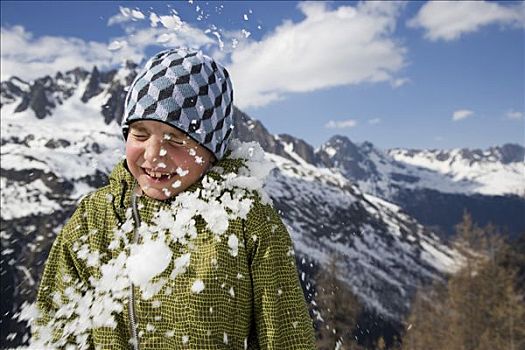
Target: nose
[152,149]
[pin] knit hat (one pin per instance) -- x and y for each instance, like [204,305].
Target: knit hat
[187,90]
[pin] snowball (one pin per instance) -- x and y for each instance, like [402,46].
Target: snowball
[147,260]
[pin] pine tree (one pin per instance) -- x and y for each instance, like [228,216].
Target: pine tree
[479,308]
[488,313]
[338,308]
[427,323]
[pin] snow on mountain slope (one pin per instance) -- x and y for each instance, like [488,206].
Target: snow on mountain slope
[495,171]
[384,253]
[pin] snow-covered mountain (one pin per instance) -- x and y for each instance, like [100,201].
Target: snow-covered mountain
[436,186]
[60,136]
[495,171]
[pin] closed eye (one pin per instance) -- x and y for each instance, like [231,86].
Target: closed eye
[140,136]
[177,142]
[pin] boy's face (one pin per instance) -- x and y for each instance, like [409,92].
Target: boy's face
[164,160]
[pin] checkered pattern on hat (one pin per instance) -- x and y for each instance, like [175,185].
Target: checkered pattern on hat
[187,90]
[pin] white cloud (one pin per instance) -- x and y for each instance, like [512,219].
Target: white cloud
[342,124]
[514,115]
[29,57]
[461,114]
[449,20]
[347,45]
[374,121]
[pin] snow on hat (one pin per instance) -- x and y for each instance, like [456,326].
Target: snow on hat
[187,90]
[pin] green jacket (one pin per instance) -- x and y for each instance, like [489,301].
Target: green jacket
[252,300]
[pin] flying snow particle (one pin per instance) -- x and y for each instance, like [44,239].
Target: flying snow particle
[153,19]
[180,265]
[218,36]
[116,45]
[136,14]
[165,37]
[171,22]
[233,244]
[181,172]
[246,33]
[197,287]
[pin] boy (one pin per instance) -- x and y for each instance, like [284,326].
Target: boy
[181,250]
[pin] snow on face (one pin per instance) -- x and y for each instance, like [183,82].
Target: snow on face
[160,156]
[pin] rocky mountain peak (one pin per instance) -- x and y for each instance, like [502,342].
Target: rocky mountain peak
[301,148]
[511,153]
[93,87]
[352,159]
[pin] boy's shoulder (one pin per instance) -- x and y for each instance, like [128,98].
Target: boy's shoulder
[115,190]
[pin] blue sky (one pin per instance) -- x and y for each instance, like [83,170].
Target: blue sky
[397,74]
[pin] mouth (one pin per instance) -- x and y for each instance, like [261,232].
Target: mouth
[157,176]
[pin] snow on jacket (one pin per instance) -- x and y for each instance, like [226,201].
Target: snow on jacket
[235,290]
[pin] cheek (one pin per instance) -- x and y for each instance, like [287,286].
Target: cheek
[133,152]
[181,157]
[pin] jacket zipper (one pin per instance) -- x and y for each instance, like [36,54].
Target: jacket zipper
[131,304]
